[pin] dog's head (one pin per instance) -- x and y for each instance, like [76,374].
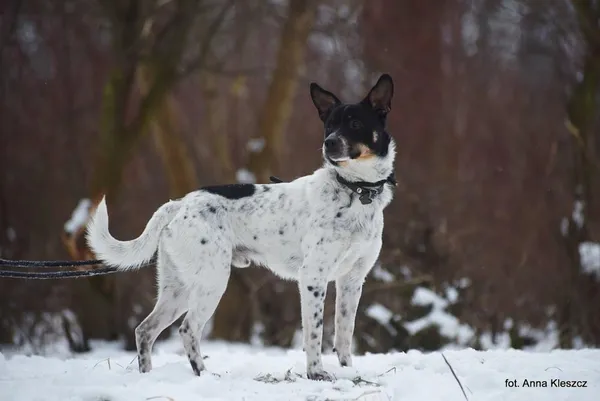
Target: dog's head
[356,141]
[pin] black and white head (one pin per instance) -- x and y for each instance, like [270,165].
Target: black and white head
[356,142]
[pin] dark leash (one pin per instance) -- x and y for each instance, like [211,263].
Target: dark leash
[48,264]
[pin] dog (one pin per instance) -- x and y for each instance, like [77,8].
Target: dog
[322,227]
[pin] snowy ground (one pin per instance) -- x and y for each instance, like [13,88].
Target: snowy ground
[237,372]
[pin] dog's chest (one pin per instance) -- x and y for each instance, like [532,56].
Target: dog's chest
[349,217]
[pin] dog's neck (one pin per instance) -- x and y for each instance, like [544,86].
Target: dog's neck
[373,170]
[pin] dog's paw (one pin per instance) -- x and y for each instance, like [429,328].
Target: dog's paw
[320,375]
[345,358]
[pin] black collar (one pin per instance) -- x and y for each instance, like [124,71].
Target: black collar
[367,191]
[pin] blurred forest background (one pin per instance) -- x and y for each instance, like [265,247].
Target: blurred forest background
[493,239]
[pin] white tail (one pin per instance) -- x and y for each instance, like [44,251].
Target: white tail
[127,254]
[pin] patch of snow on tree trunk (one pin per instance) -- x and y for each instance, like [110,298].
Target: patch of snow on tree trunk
[589,252]
[79,217]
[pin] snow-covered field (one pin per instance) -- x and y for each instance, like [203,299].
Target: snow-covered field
[237,372]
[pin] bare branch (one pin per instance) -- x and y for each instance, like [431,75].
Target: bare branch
[10,27]
[208,39]
[456,377]
[395,285]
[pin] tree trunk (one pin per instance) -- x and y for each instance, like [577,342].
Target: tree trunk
[232,320]
[583,116]
[98,293]
[166,132]
[215,118]
[280,97]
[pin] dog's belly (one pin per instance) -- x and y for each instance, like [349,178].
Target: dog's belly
[284,265]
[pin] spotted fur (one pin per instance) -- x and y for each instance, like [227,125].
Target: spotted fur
[312,230]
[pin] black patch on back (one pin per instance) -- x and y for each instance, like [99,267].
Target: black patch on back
[232,191]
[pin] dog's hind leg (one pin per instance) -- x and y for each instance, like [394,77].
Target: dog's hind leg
[203,302]
[171,304]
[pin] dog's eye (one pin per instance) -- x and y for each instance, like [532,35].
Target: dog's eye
[355,124]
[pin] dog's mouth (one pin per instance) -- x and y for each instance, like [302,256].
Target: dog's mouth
[335,158]
[345,154]
[339,159]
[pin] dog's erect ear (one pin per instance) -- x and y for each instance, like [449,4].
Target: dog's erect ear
[324,101]
[380,96]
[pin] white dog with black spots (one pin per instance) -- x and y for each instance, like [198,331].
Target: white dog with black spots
[322,227]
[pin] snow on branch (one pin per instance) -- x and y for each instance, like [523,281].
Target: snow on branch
[79,217]
[589,252]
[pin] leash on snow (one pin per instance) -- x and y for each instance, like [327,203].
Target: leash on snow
[46,264]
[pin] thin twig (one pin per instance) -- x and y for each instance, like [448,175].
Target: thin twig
[388,371]
[397,284]
[358,380]
[107,360]
[209,36]
[456,377]
[134,358]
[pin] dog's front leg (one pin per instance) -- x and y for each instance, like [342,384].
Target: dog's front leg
[312,297]
[348,290]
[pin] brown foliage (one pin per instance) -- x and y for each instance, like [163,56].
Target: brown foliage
[488,168]
[484,157]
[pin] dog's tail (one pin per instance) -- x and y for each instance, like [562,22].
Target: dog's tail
[132,254]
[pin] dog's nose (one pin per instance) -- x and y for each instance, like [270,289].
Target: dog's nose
[330,143]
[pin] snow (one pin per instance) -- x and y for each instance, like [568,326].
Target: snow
[577,215]
[424,296]
[382,315]
[241,372]
[452,294]
[256,145]
[11,234]
[28,36]
[244,176]
[382,274]
[546,339]
[79,217]
[505,29]
[470,32]
[564,226]
[449,325]
[589,252]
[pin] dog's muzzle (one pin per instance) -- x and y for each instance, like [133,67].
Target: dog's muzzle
[335,148]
